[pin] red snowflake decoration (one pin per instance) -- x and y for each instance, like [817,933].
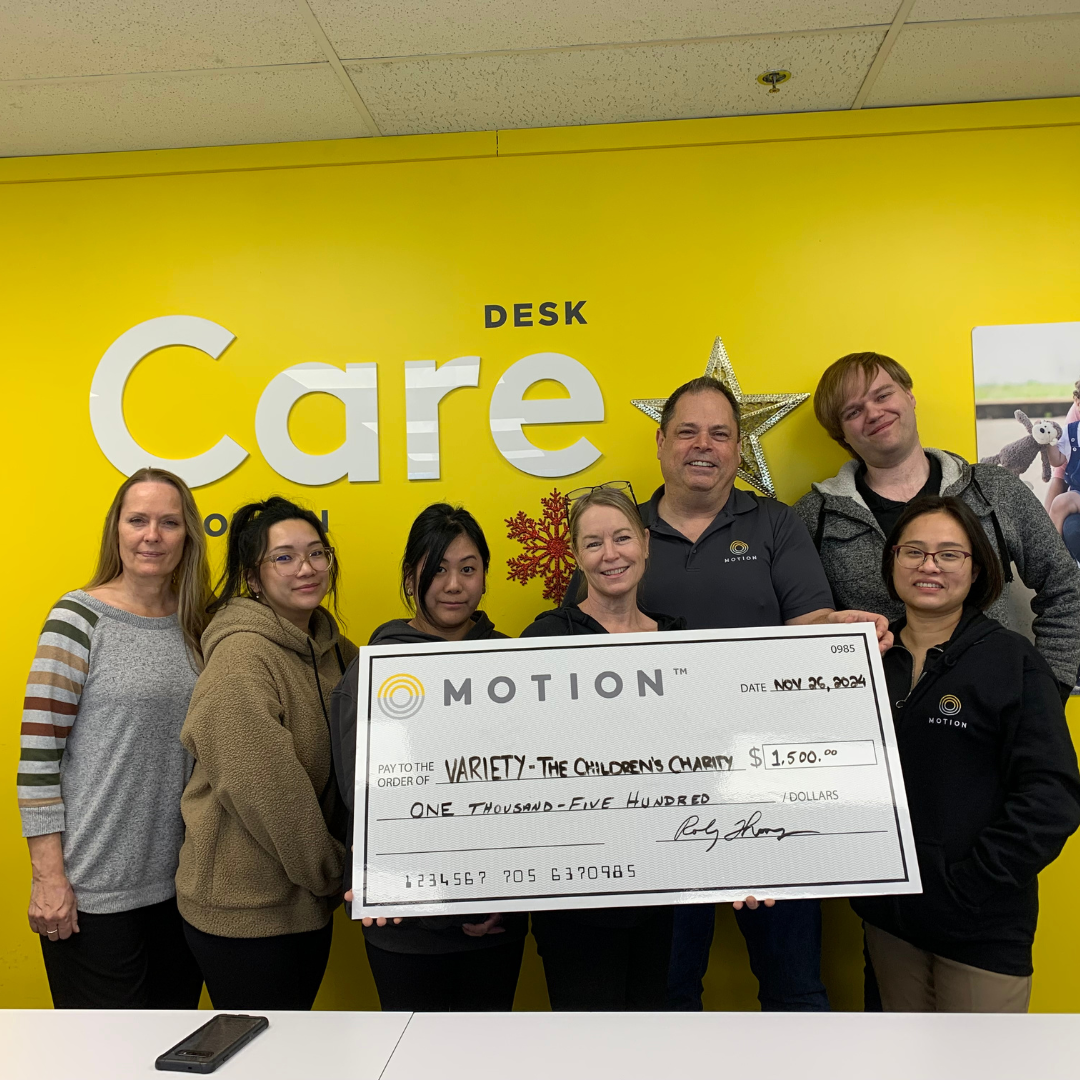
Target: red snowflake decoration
[547,547]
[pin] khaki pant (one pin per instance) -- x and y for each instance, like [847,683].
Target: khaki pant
[912,980]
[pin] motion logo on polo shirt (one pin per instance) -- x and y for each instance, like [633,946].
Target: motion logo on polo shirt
[400,697]
[739,549]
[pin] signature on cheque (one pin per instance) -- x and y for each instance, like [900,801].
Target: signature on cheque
[748,828]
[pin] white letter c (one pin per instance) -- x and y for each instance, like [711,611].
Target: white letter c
[107,398]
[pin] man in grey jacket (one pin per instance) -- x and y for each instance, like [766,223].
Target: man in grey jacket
[864,401]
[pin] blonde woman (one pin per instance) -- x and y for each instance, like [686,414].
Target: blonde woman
[605,959]
[102,769]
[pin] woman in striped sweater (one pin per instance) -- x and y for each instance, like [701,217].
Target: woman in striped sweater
[102,769]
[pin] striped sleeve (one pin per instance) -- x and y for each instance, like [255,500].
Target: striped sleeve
[51,704]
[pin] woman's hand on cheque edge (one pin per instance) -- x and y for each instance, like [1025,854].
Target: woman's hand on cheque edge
[369,922]
[751,903]
[489,926]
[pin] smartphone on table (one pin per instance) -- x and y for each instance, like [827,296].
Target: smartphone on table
[213,1044]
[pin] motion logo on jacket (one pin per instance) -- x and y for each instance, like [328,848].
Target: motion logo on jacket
[948,706]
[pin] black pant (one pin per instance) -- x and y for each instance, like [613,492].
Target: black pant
[602,969]
[784,945]
[280,972]
[128,960]
[480,980]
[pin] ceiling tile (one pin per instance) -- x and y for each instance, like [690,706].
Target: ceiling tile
[988,61]
[49,38]
[937,10]
[153,112]
[370,28]
[603,86]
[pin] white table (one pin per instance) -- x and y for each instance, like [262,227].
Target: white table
[737,1046]
[80,1044]
[45,1045]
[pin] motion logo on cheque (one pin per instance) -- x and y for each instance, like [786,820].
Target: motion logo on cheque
[400,697]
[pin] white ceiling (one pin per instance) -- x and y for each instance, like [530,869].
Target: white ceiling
[82,76]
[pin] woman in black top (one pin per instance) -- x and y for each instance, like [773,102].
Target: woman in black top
[605,959]
[446,963]
[990,773]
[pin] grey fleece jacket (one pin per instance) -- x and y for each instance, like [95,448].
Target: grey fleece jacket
[851,545]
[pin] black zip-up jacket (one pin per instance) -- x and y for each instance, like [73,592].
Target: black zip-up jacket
[564,622]
[425,935]
[993,791]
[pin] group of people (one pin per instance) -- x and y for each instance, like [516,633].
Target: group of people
[187,753]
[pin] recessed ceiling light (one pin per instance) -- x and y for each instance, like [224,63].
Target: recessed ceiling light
[773,79]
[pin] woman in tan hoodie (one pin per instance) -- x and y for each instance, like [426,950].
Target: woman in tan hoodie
[261,865]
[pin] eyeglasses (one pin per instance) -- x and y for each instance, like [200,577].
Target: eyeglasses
[612,485]
[289,564]
[948,561]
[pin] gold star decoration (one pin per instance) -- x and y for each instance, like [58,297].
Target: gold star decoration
[759,413]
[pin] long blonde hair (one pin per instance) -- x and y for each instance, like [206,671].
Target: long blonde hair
[191,579]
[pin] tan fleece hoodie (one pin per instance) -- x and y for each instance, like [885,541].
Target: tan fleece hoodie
[258,857]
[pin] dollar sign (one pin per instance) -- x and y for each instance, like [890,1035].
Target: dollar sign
[755,757]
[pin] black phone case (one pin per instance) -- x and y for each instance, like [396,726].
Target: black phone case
[168,1062]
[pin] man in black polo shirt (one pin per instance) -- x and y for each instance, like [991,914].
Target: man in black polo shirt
[723,557]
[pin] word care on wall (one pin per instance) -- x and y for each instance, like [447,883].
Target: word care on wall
[426,384]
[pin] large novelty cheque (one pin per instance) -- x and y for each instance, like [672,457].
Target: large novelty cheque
[680,767]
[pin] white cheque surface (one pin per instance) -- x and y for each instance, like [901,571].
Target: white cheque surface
[631,769]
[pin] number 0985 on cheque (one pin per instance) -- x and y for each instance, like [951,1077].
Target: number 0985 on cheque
[679,767]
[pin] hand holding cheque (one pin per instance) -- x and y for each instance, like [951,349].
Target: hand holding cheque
[685,767]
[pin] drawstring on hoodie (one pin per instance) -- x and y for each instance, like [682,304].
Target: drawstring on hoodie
[1003,548]
[318,681]
[322,703]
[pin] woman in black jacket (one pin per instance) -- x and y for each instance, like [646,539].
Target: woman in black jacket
[445,963]
[990,772]
[605,959]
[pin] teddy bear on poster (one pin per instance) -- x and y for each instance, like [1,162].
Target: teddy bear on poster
[1017,456]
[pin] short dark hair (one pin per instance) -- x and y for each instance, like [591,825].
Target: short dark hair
[434,530]
[987,586]
[699,386]
[248,533]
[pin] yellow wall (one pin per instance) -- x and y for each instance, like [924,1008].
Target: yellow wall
[798,238]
